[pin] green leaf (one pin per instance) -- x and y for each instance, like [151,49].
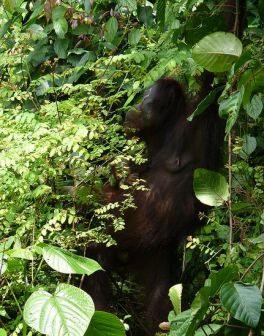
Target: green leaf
[61,27]
[10,5]
[209,329]
[67,312]
[87,6]
[161,10]
[37,31]
[67,262]
[3,265]
[22,254]
[210,187]
[111,28]
[134,37]
[217,51]
[230,107]
[242,301]
[205,103]
[145,15]
[175,294]
[105,324]
[60,47]
[3,332]
[249,145]
[258,240]
[255,108]
[217,279]
[60,24]
[130,5]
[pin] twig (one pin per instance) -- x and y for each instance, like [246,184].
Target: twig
[230,191]
[251,265]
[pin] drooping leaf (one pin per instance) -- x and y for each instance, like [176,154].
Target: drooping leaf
[87,6]
[67,262]
[210,187]
[67,312]
[10,5]
[242,301]
[60,47]
[37,31]
[145,15]
[255,107]
[111,28]
[22,254]
[175,294]
[105,324]
[217,52]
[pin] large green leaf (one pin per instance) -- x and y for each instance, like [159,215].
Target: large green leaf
[60,47]
[60,24]
[67,262]
[217,51]
[210,187]
[249,145]
[105,324]
[242,301]
[3,332]
[67,312]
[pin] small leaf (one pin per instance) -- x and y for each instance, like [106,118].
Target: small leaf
[242,301]
[105,324]
[175,294]
[22,254]
[130,5]
[111,28]
[255,108]
[87,6]
[209,329]
[210,187]
[67,312]
[217,51]
[10,5]
[258,240]
[67,262]
[134,37]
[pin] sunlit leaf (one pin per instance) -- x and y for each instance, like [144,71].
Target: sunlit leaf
[210,187]
[105,324]
[217,52]
[67,312]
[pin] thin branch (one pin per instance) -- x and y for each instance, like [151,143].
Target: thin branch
[230,191]
[251,265]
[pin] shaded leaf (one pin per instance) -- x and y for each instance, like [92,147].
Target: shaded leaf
[242,301]
[111,28]
[249,145]
[134,37]
[60,47]
[255,107]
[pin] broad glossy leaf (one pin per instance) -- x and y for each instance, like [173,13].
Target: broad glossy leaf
[242,301]
[67,312]
[105,324]
[216,52]
[207,330]
[210,187]
[66,262]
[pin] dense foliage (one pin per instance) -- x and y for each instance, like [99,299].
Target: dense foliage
[69,71]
